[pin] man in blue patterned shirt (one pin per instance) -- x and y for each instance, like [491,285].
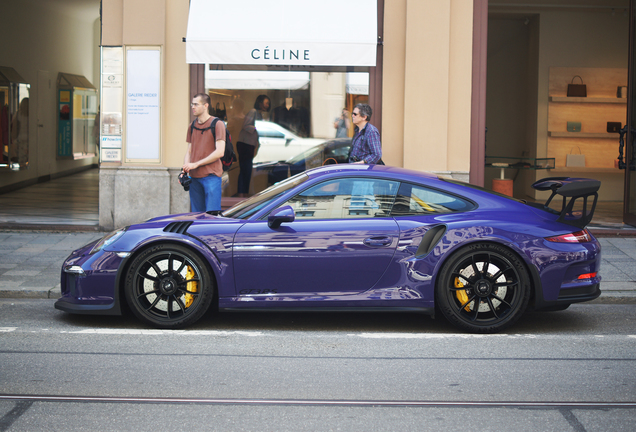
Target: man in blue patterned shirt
[365,145]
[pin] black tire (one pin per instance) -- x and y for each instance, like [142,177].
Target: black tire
[483,288]
[169,286]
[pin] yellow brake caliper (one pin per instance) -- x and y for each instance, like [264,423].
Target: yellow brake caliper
[193,287]
[461,295]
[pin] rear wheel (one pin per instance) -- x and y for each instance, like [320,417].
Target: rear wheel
[169,286]
[483,288]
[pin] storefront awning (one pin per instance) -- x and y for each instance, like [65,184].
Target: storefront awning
[253,80]
[282,32]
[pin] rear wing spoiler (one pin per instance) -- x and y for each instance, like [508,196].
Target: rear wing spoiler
[582,189]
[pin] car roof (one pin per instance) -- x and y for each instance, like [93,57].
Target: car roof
[371,170]
[483,197]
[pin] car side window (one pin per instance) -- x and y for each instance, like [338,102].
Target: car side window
[266,132]
[346,198]
[414,200]
[340,154]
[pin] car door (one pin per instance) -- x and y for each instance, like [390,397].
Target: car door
[341,242]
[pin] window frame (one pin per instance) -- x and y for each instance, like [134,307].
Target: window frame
[349,177]
[436,190]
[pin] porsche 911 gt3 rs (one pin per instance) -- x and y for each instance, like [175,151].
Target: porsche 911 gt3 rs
[351,237]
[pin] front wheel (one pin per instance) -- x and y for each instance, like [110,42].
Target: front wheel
[483,288]
[169,286]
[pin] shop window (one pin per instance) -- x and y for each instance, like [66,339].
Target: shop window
[78,133]
[304,110]
[14,120]
[266,131]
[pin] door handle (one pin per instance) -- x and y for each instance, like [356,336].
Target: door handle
[378,241]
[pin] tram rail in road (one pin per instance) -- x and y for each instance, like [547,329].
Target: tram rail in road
[322,402]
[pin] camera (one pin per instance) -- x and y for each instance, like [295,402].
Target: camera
[185,180]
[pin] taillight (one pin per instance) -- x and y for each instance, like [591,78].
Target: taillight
[582,236]
[588,275]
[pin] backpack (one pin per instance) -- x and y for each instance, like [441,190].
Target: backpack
[229,156]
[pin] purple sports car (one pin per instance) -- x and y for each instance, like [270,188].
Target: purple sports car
[350,237]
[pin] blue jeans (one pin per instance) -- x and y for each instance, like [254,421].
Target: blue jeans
[205,193]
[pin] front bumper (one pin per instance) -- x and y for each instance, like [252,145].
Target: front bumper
[89,283]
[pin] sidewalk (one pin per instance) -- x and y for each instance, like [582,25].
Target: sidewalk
[31,262]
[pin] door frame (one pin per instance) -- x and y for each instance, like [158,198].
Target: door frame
[629,218]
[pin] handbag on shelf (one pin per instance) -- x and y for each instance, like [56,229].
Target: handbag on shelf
[577,90]
[221,113]
[614,127]
[575,160]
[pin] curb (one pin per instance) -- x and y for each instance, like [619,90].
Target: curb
[610,233]
[48,228]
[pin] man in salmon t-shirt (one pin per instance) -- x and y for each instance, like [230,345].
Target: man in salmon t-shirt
[202,160]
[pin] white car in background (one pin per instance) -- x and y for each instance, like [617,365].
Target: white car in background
[278,143]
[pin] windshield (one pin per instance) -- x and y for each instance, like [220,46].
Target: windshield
[246,208]
[307,154]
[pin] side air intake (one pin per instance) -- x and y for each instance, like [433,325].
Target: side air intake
[177,227]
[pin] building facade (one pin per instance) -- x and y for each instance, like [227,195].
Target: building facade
[453,84]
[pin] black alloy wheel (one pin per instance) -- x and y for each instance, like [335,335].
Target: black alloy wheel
[168,286]
[483,288]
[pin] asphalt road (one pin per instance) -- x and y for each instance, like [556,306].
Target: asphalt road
[570,370]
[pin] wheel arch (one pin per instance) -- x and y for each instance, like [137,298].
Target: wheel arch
[200,249]
[533,273]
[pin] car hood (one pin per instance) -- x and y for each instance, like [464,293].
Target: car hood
[198,225]
[182,223]
[187,217]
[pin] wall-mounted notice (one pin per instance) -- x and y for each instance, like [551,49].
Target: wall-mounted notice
[143,84]
[110,155]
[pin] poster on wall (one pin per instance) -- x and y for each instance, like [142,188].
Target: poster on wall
[143,83]
[112,104]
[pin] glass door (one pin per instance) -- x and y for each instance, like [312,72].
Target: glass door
[629,206]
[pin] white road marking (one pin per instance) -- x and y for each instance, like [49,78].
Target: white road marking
[274,333]
[321,334]
[155,332]
[439,336]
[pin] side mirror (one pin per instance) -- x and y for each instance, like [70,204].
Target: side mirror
[280,215]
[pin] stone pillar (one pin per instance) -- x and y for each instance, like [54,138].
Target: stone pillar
[179,198]
[130,195]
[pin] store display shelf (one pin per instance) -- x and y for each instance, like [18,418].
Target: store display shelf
[505,162]
[609,100]
[586,170]
[604,135]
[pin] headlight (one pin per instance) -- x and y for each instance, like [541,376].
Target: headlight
[108,239]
